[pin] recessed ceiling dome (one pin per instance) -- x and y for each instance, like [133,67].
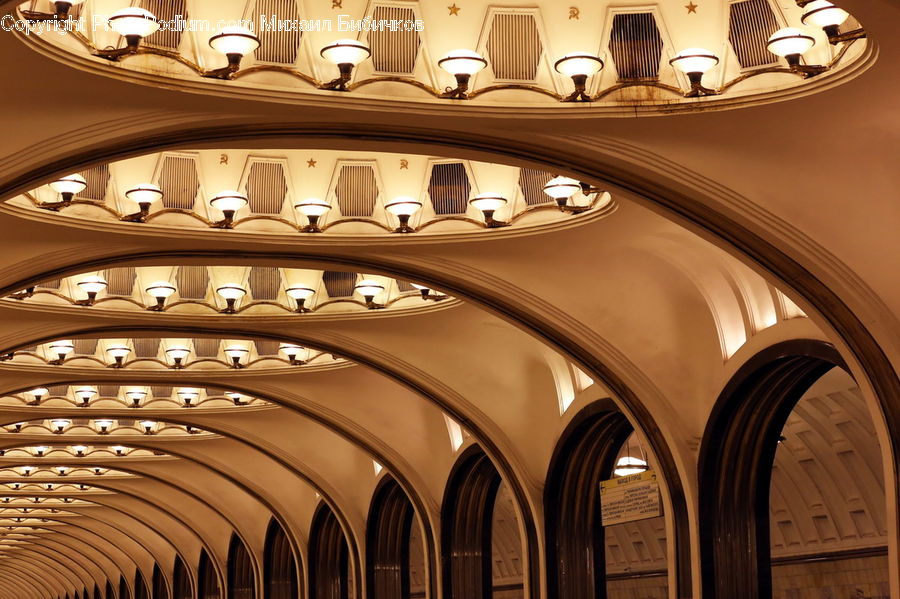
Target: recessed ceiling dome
[604,57]
[314,192]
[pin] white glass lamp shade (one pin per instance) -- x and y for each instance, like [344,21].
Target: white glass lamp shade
[369,288]
[178,353]
[92,284]
[161,289]
[62,348]
[628,465]
[188,396]
[694,60]
[71,184]
[237,352]
[62,470]
[403,206]
[462,62]
[85,393]
[229,201]
[79,450]
[119,449]
[231,291]
[312,207]
[118,351]
[562,188]
[148,426]
[236,40]
[420,287]
[27,470]
[135,396]
[578,64]
[488,202]
[237,398]
[104,425]
[144,193]
[300,293]
[294,352]
[822,13]
[39,392]
[790,41]
[346,51]
[134,21]
[40,450]
[60,424]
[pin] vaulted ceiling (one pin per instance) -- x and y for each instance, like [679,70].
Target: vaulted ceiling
[748,218]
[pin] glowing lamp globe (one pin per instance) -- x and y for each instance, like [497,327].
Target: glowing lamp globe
[234,41]
[144,194]
[694,60]
[824,14]
[578,64]
[134,22]
[790,43]
[345,51]
[462,62]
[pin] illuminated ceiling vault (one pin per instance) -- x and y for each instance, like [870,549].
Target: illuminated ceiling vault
[231,297]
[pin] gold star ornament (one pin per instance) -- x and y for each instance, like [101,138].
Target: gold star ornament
[454,10]
[691,7]
[311,163]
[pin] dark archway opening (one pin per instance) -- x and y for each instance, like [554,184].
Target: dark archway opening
[241,579]
[160,588]
[391,543]
[280,565]
[207,583]
[329,571]
[181,580]
[736,464]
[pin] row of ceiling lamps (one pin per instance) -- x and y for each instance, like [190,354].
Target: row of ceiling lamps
[189,396]
[134,24]
[561,189]
[238,354]
[369,289]
[103,426]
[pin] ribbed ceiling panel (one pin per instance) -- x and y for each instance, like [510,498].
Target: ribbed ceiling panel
[276,46]
[266,188]
[750,24]
[394,51]
[531,182]
[179,182]
[636,46]
[449,188]
[514,46]
[356,190]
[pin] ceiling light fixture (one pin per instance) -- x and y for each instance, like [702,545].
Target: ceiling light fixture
[403,208]
[824,14]
[300,295]
[313,209]
[85,395]
[92,285]
[562,189]
[79,450]
[133,24]
[104,426]
[160,291]
[231,292]
[694,62]
[61,11]
[628,465]
[40,450]
[370,289]
[188,396]
[791,44]
[59,425]
[148,426]
[27,470]
[427,294]
[38,394]
[178,355]
[135,396]
[118,354]
[67,187]
[237,353]
[61,349]
[488,204]
[346,54]
[235,43]
[236,397]
[120,450]
[143,195]
[462,64]
[228,203]
[580,67]
[297,355]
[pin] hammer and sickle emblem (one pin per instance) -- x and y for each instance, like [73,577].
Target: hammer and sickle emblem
[223,158]
[574,12]
[404,163]
[337,3]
